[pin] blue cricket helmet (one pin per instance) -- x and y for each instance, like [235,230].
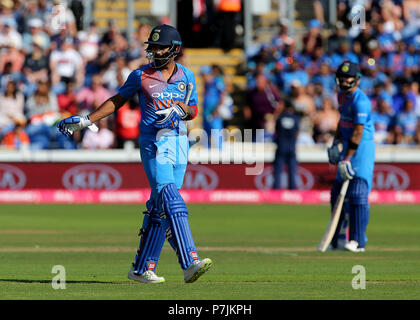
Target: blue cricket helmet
[164,35]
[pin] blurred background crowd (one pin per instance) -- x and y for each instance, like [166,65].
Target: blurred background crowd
[48,73]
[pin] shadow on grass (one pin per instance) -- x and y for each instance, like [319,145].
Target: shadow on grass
[67,281]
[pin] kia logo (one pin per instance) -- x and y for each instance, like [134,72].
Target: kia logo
[265,180]
[92,176]
[200,177]
[11,177]
[388,177]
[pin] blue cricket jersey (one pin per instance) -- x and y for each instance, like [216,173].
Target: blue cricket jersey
[355,109]
[155,93]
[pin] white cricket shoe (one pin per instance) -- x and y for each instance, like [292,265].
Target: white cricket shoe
[353,246]
[147,277]
[197,269]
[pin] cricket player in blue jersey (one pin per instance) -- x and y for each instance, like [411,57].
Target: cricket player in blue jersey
[353,150]
[162,86]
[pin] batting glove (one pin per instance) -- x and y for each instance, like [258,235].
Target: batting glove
[334,153]
[74,123]
[345,169]
[171,117]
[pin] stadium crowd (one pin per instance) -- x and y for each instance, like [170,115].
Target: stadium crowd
[48,72]
[387,47]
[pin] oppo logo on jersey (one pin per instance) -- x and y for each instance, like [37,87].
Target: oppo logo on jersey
[168,95]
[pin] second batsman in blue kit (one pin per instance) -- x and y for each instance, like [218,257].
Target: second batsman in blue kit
[357,158]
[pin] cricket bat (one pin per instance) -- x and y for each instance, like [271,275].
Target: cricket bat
[335,217]
[93,128]
[189,91]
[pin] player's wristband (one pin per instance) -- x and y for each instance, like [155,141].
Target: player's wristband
[347,159]
[352,145]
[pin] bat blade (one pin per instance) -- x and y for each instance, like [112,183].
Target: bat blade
[189,91]
[335,217]
[93,128]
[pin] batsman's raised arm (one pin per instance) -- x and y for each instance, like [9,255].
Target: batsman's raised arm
[74,123]
[108,107]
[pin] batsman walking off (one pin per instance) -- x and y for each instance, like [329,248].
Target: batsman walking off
[356,158]
[168,97]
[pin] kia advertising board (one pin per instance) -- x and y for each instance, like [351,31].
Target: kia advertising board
[120,176]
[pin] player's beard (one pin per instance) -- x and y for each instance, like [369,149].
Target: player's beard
[160,61]
[346,87]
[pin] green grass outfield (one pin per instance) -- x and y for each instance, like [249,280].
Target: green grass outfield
[259,252]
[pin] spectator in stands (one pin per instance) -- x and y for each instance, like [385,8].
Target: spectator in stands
[67,102]
[214,93]
[395,61]
[16,138]
[127,124]
[314,62]
[313,39]
[383,121]
[7,75]
[29,11]
[7,16]
[282,37]
[11,108]
[366,35]
[416,93]
[137,45]
[35,32]
[61,17]
[89,43]
[77,9]
[263,99]
[338,35]
[116,73]
[411,61]
[405,93]
[325,78]
[287,128]
[228,14]
[103,139]
[42,113]
[36,66]
[325,122]
[66,64]
[343,53]
[405,124]
[89,98]
[9,36]
[12,54]
[303,104]
[293,73]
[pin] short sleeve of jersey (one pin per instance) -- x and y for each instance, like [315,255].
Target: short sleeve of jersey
[362,110]
[132,85]
[191,78]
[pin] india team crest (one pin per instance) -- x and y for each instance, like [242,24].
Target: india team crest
[155,36]
[345,68]
[181,86]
